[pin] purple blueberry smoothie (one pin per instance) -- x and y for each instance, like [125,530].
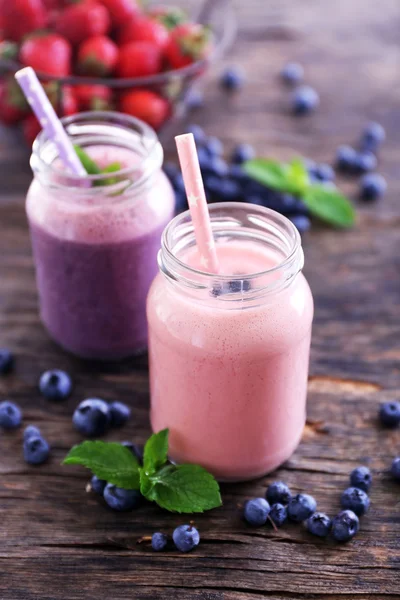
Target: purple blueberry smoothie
[95,246]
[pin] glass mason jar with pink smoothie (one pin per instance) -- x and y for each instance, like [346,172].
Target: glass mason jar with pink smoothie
[229,353]
[95,239]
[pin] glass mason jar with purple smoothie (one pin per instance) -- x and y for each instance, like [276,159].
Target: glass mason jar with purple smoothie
[95,239]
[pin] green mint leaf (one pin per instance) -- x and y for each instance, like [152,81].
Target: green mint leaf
[112,168]
[298,178]
[155,452]
[329,205]
[108,460]
[270,173]
[185,489]
[88,163]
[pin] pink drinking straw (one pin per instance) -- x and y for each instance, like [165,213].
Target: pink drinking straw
[197,201]
[51,124]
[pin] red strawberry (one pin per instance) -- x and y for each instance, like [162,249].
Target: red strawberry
[62,98]
[97,55]
[188,43]
[143,29]
[93,97]
[48,53]
[138,59]
[21,17]
[31,128]
[83,20]
[121,11]
[170,16]
[146,105]
[13,106]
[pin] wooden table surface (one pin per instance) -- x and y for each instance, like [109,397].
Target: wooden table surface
[56,542]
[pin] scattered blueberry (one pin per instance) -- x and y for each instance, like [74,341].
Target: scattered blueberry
[242,153]
[345,526]
[55,385]
[159,541]
[36,450]
[237,173]
[365,162]
[278,492]
[292,73]
[256,511]
[31,430]
[198,134]
[236,286]
[232,78]
[194,99]
[181,202]
[120,414]
[356,500]
[301,222]
[389,413]
[217,166]
[346,159]
[395,468]
[179,185]
[135,449]
[98,485]
[229,190]
[372,187]
[372,137]
[6,361]
[301,507]
[214,146]
[10,415]
[304,100]
[171,171]
[92,417]
[278,514]
[319,524]
[361,478]
[322,172]
[186,537]
[120,499]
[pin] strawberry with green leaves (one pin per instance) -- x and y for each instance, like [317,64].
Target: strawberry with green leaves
[139,59]
[98,55]
[13,106]
[147,106]
[62,98]
[81,20]
[31,129]
[20,17]
[93,97]
[47,53]
[143,29]
[121,11]
[188,43]
[170,16]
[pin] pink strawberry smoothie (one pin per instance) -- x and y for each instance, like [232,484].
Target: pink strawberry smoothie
[228,372]
[96,255]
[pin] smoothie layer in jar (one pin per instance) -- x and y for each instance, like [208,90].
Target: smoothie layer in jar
[229,363]
[96,255]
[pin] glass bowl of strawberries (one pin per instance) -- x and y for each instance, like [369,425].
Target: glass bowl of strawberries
[108,55]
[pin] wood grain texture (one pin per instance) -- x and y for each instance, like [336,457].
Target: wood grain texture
[57,542]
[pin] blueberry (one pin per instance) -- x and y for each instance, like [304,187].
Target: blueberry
[30,431]
[319,524]
[6,361]
[194,99]
[301,507]
[36,450]
[395,468]
[92,417]
[237,173]
[389,413]
[212,186]
[171,171]
[181,202]
[198,134]
[346,159]
[120,499]
[301,222]
[159,541]
[238,285]
[135,449]
[120,414]
[372,186]
[232,78]
[186,537]
[361,478]
[292,73]
[229,190]
[205,160]
[278,514]
[278,492]
[214,146]
[55,385]
[372,137]
[10,415]
[304,100]
[256,511]
[254,199]
[97,485]
[179,185]
[345,526]
[366,161]
[242,153]
[356,500]
[322,172]
[218,167]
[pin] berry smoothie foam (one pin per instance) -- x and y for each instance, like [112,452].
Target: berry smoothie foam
[229,364]
[96,255]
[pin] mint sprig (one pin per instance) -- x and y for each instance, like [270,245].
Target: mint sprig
[327,204]
[177,488]
[92,168]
